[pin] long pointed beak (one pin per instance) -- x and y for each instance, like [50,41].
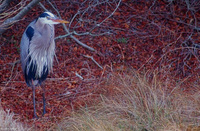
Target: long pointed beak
[60,20]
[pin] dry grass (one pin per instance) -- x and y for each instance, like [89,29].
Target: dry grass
[132,102]
[7,123]
[137,103]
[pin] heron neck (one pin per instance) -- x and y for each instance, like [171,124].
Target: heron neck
[46,30]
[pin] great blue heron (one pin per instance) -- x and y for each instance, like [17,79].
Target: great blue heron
[37,51]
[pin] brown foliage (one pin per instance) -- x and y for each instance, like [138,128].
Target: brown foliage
[145,35]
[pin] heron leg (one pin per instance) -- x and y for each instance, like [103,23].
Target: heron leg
[44,101]
[33,88]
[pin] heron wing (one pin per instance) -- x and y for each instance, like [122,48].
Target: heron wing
[25,43]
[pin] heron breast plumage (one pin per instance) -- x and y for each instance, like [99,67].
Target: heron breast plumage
[39,58]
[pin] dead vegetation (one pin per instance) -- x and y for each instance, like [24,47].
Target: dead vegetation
[8,121]
[148,36]
[137,103]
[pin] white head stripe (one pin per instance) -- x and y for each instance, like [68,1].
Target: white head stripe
[49,13]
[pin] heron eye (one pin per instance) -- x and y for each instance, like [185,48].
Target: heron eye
[48,18]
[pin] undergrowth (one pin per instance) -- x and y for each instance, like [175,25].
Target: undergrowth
[8,123]
[137,102]
[132,102]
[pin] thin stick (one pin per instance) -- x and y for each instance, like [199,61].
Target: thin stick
[42,6]
[79,76]
[18,16]
[91,57]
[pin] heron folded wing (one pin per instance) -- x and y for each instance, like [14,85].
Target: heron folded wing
[30,32]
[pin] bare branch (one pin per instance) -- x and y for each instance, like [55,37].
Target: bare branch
[42,6]
[91,57]
[69,34]
[62,36]
[82,44]
[79,76]
[7,23]
[12,11]
[110,14]
[4,4]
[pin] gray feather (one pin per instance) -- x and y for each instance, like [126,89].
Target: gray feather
[40,49]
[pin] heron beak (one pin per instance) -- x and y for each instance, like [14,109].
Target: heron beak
[60,21]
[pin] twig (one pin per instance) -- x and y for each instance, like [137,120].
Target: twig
[54,8]
[17,61]
[91,57]
[96,25]
[4,4]
[42,6]
[89,33]
[56,59]
[110,14]
[5,25]
[79,76]
[62,36]
[70,35]
[78,41]
[82,44]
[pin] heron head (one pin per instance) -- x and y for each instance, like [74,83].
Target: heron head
[49,18]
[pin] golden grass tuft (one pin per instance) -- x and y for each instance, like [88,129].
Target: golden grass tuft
[137,102]
[7,122]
